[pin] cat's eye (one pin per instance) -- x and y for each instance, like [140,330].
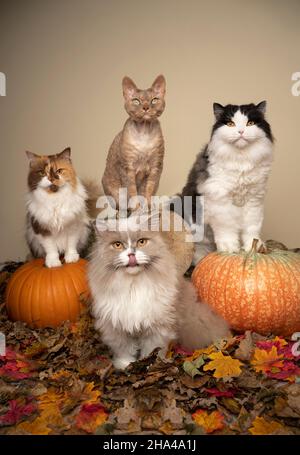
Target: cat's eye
[42,173]
[142,242]
[230,123]
[118,245]
[154,100]
[250,123]
[60,171]
[136,101]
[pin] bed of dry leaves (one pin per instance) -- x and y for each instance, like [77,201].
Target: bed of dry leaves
[55,381]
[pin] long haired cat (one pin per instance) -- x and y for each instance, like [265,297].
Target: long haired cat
[231,172]
[57,219]
[140,299]
[135,158]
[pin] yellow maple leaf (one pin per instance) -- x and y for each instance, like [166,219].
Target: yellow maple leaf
[282,342]
[38,426]
[224,366]
[264,361]
[209,421]
[262,426]
[199,352]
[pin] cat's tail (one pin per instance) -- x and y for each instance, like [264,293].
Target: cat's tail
[94,191]
[199,325]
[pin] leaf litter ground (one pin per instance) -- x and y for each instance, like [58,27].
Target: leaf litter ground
[61,381]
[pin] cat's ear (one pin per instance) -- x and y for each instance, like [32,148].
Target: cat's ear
[159,85]
[218,110]
[31,156]
[65,154]
[129,87]
[262,106]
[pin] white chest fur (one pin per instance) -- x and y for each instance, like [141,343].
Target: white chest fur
[238,175]
[136,303]
[57,210]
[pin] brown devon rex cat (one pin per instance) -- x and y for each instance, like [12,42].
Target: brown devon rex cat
[135,158]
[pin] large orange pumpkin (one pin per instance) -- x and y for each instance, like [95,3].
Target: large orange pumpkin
[45,297]
[252,291]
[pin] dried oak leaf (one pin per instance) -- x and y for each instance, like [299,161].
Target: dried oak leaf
[225,366]
[261,426]
[245,349]
[211,422]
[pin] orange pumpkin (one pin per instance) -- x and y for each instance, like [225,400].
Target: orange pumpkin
[252,291]
[45,297]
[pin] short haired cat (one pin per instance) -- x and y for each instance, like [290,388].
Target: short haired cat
[135,158]
[140,300]
[57,219]
[231,173]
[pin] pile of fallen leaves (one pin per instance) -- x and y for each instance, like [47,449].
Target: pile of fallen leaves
[55,381]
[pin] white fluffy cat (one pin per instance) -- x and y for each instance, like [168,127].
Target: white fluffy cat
[232,173]
[140,301]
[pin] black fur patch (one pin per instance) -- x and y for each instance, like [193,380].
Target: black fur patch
[252,111]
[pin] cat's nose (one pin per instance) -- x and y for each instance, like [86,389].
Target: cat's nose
[241,132]
[145,108]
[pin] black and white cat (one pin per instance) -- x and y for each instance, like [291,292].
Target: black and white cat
[231,173]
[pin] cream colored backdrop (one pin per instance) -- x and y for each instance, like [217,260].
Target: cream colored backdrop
[64,61]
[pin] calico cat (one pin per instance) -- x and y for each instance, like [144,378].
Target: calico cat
[140,299]
[231,173]
[57,218]
[135,158]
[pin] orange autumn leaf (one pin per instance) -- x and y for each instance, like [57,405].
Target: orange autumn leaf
[89,395]
[265,361]
[60,374]
[37,427]
[262,426]
[225,366]
[210,422]
[90,417]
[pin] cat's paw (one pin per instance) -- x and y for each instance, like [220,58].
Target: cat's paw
[52,261]
[120,363]
[248,245]
[228,246]
[72,256]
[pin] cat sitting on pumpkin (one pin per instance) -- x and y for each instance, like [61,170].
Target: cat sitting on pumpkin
[58,208]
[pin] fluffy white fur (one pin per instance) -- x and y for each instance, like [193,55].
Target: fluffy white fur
[240,161]
[138,309]
[64,214]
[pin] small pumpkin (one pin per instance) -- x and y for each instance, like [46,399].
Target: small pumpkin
[46,297]
[252,291]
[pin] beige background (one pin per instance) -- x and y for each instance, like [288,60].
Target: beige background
[64,61]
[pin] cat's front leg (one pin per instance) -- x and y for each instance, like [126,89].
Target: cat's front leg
[51,252]
[152,184]
[157,339]
[71,253]
[123,346]
[224,220]
[252,223]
